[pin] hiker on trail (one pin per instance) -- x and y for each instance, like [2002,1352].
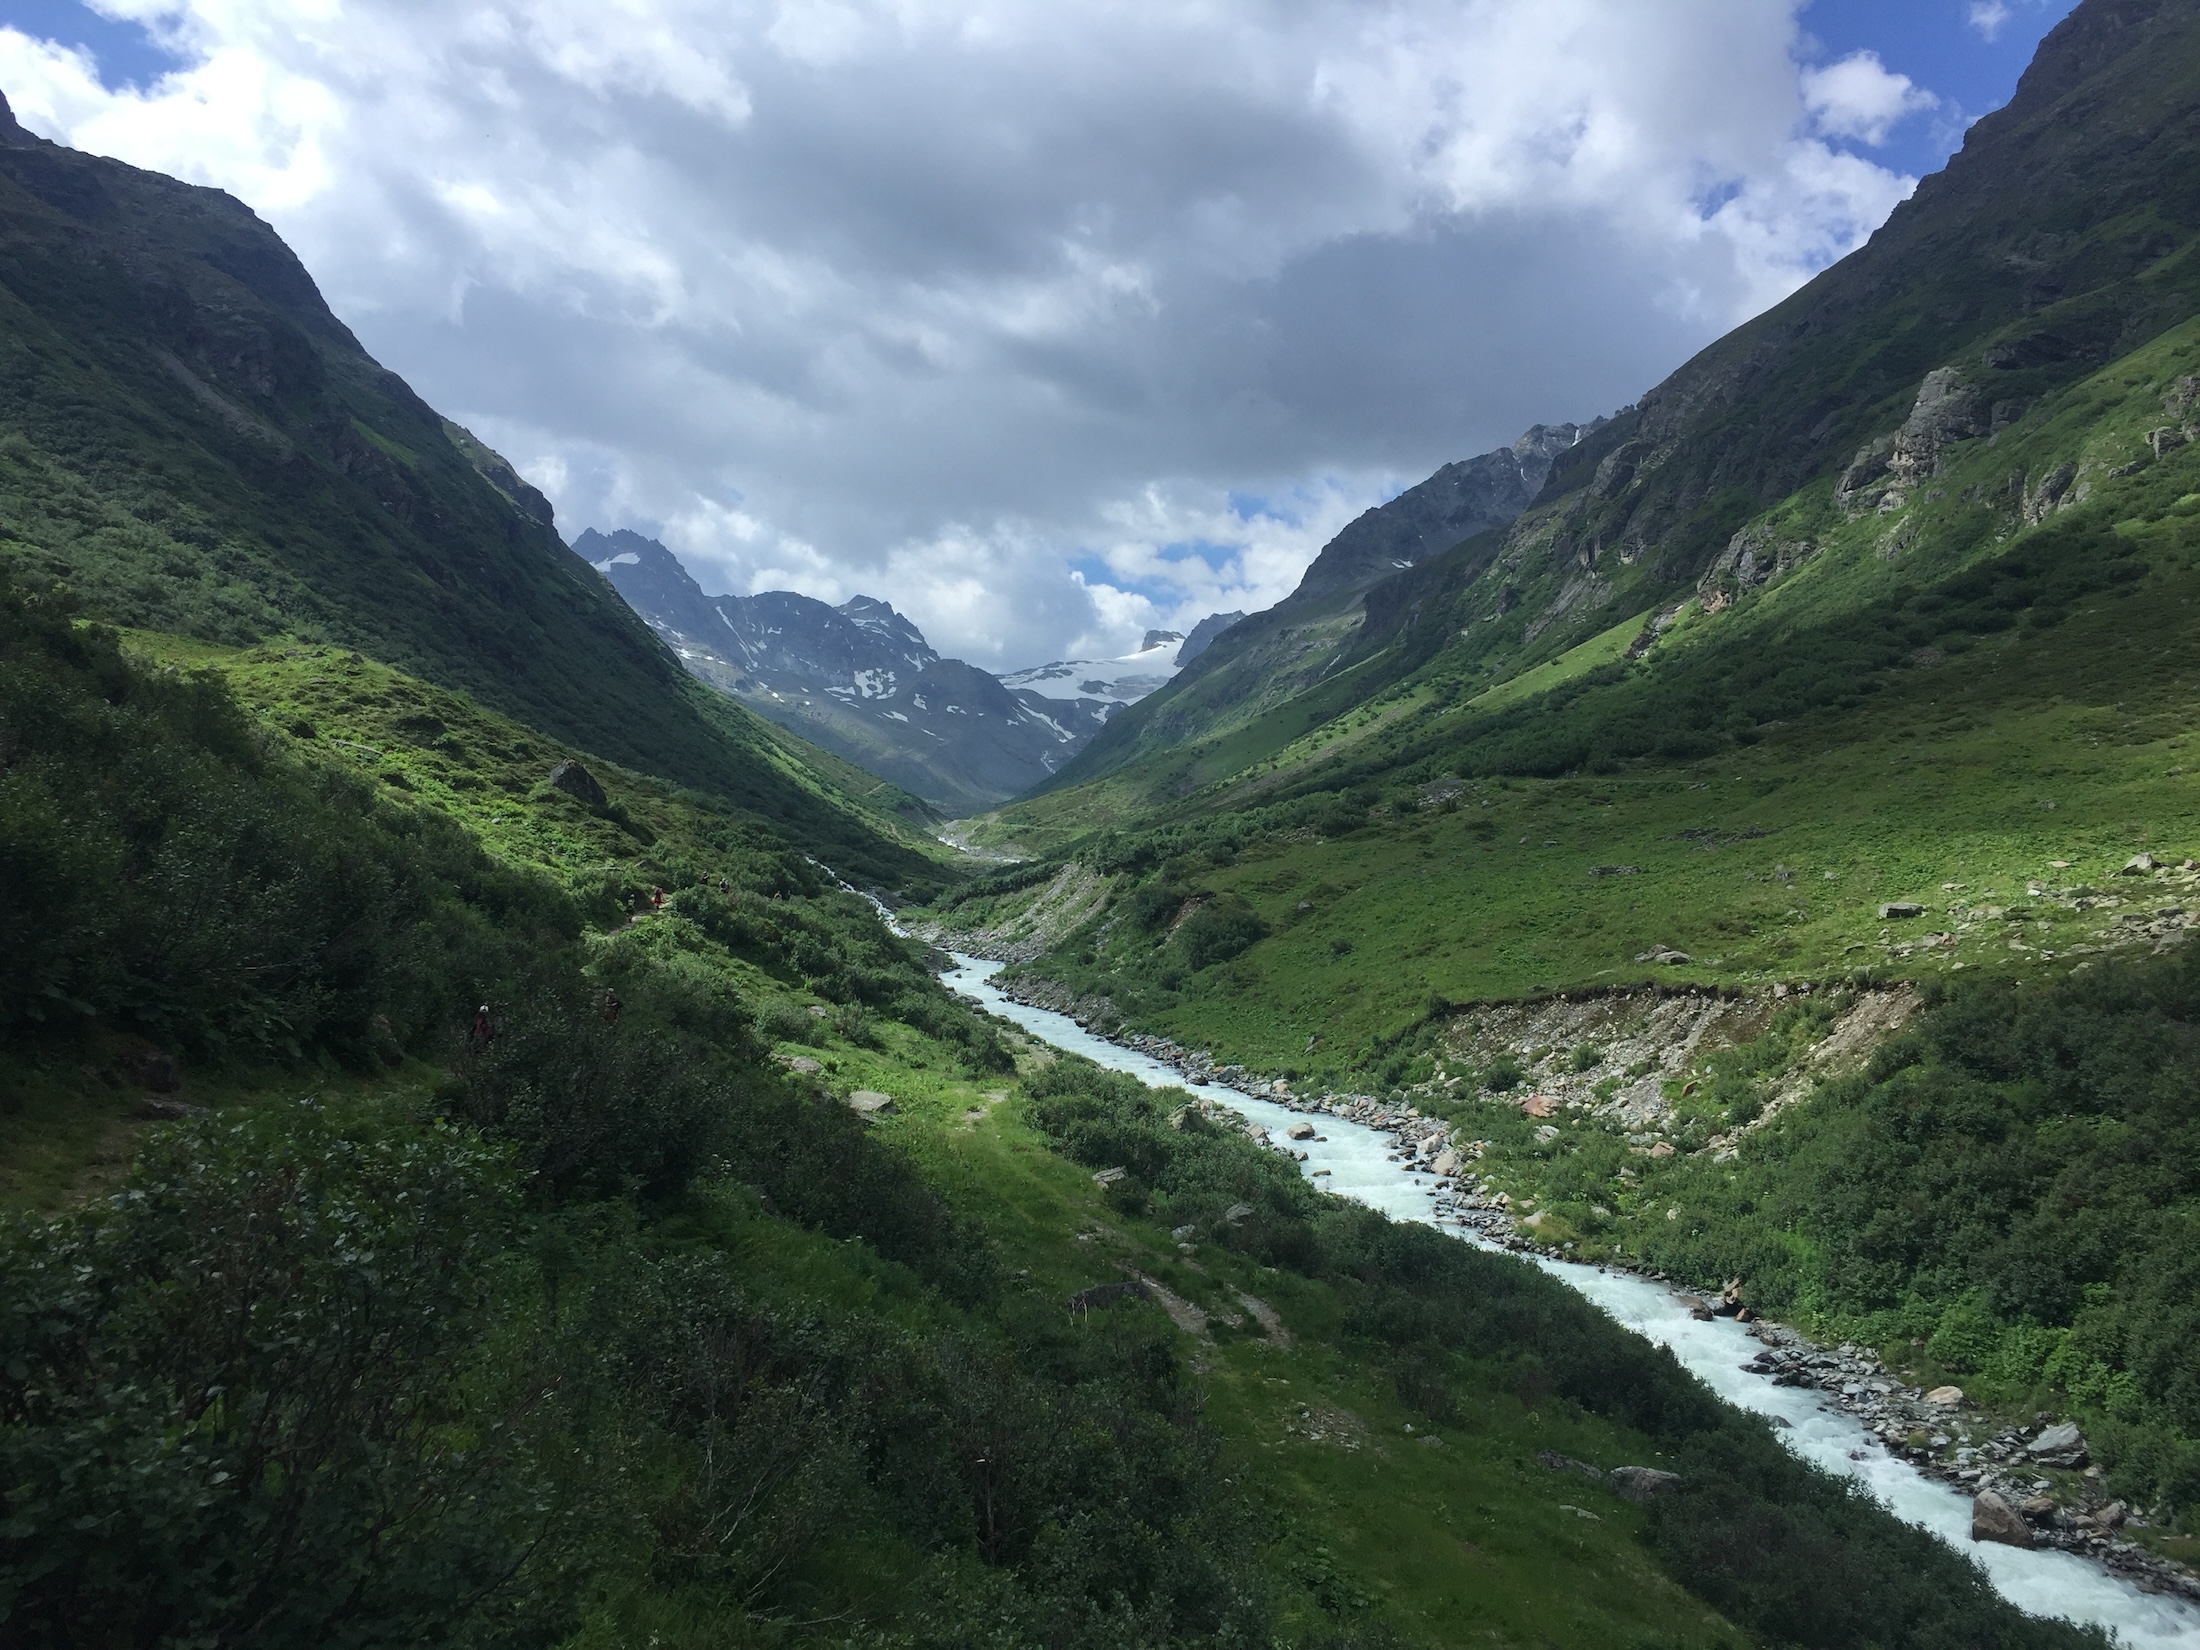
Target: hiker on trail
[611,1007]
[724,887]
[484,1031]
[656,899]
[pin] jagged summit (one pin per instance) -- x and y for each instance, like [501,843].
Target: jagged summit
[861,680]
[1462,499]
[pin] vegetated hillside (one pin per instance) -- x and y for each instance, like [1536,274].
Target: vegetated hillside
[601,1319]
[2061,238]
[194,444]
[858,680]
[1925,717]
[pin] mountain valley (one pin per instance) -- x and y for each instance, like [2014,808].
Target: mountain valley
[490,1154]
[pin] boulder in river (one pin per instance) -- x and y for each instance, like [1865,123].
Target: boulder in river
[1993,1519]
[1300,1131]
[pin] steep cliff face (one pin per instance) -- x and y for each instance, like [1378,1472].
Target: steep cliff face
[861,680]
[1460,500]
[193,443]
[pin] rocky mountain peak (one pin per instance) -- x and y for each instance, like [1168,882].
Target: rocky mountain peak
[1466,497]
[1203,633]
[11,132]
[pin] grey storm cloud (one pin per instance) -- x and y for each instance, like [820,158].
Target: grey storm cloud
[1045,322]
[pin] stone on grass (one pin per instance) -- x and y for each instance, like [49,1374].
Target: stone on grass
[1900,911]
[1641,1483]
[2139,865]
[871,1103]
[578,783]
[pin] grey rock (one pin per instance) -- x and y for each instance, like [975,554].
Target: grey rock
[1104,1294]
[1641,1483]
[150,1068]
[2059,1446]
[1993,1519]
[2050,492]
[1947,410]
[160,1108]
[2139,865]
[1108,1177]
[1556,1462]
[871,1103]
[1203,633]
[578,783]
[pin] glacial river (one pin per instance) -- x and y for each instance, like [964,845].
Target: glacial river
[2045,1582]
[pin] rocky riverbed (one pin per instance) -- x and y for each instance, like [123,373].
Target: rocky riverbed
[2031,1485]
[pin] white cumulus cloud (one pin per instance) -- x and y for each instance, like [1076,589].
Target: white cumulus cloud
[1860,97]
[1045,322]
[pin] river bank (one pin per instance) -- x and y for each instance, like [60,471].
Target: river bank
[1837,1406]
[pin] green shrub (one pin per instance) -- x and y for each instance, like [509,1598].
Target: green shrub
[1219,930]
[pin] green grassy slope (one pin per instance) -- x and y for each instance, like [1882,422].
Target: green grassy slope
[2061,238]
[622,1330]
[194,444]
[1992,698]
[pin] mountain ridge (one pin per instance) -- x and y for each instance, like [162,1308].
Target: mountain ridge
[201,447]
[861,681]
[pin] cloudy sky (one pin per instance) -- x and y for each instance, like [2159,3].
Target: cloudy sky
[1046,320]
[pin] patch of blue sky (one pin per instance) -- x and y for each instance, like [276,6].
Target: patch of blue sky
[1155,583]
[1967,53]
[126,52]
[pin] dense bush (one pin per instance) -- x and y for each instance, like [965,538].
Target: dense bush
[254,1401]
[2009,1185]
[1219,930]
[162,871]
